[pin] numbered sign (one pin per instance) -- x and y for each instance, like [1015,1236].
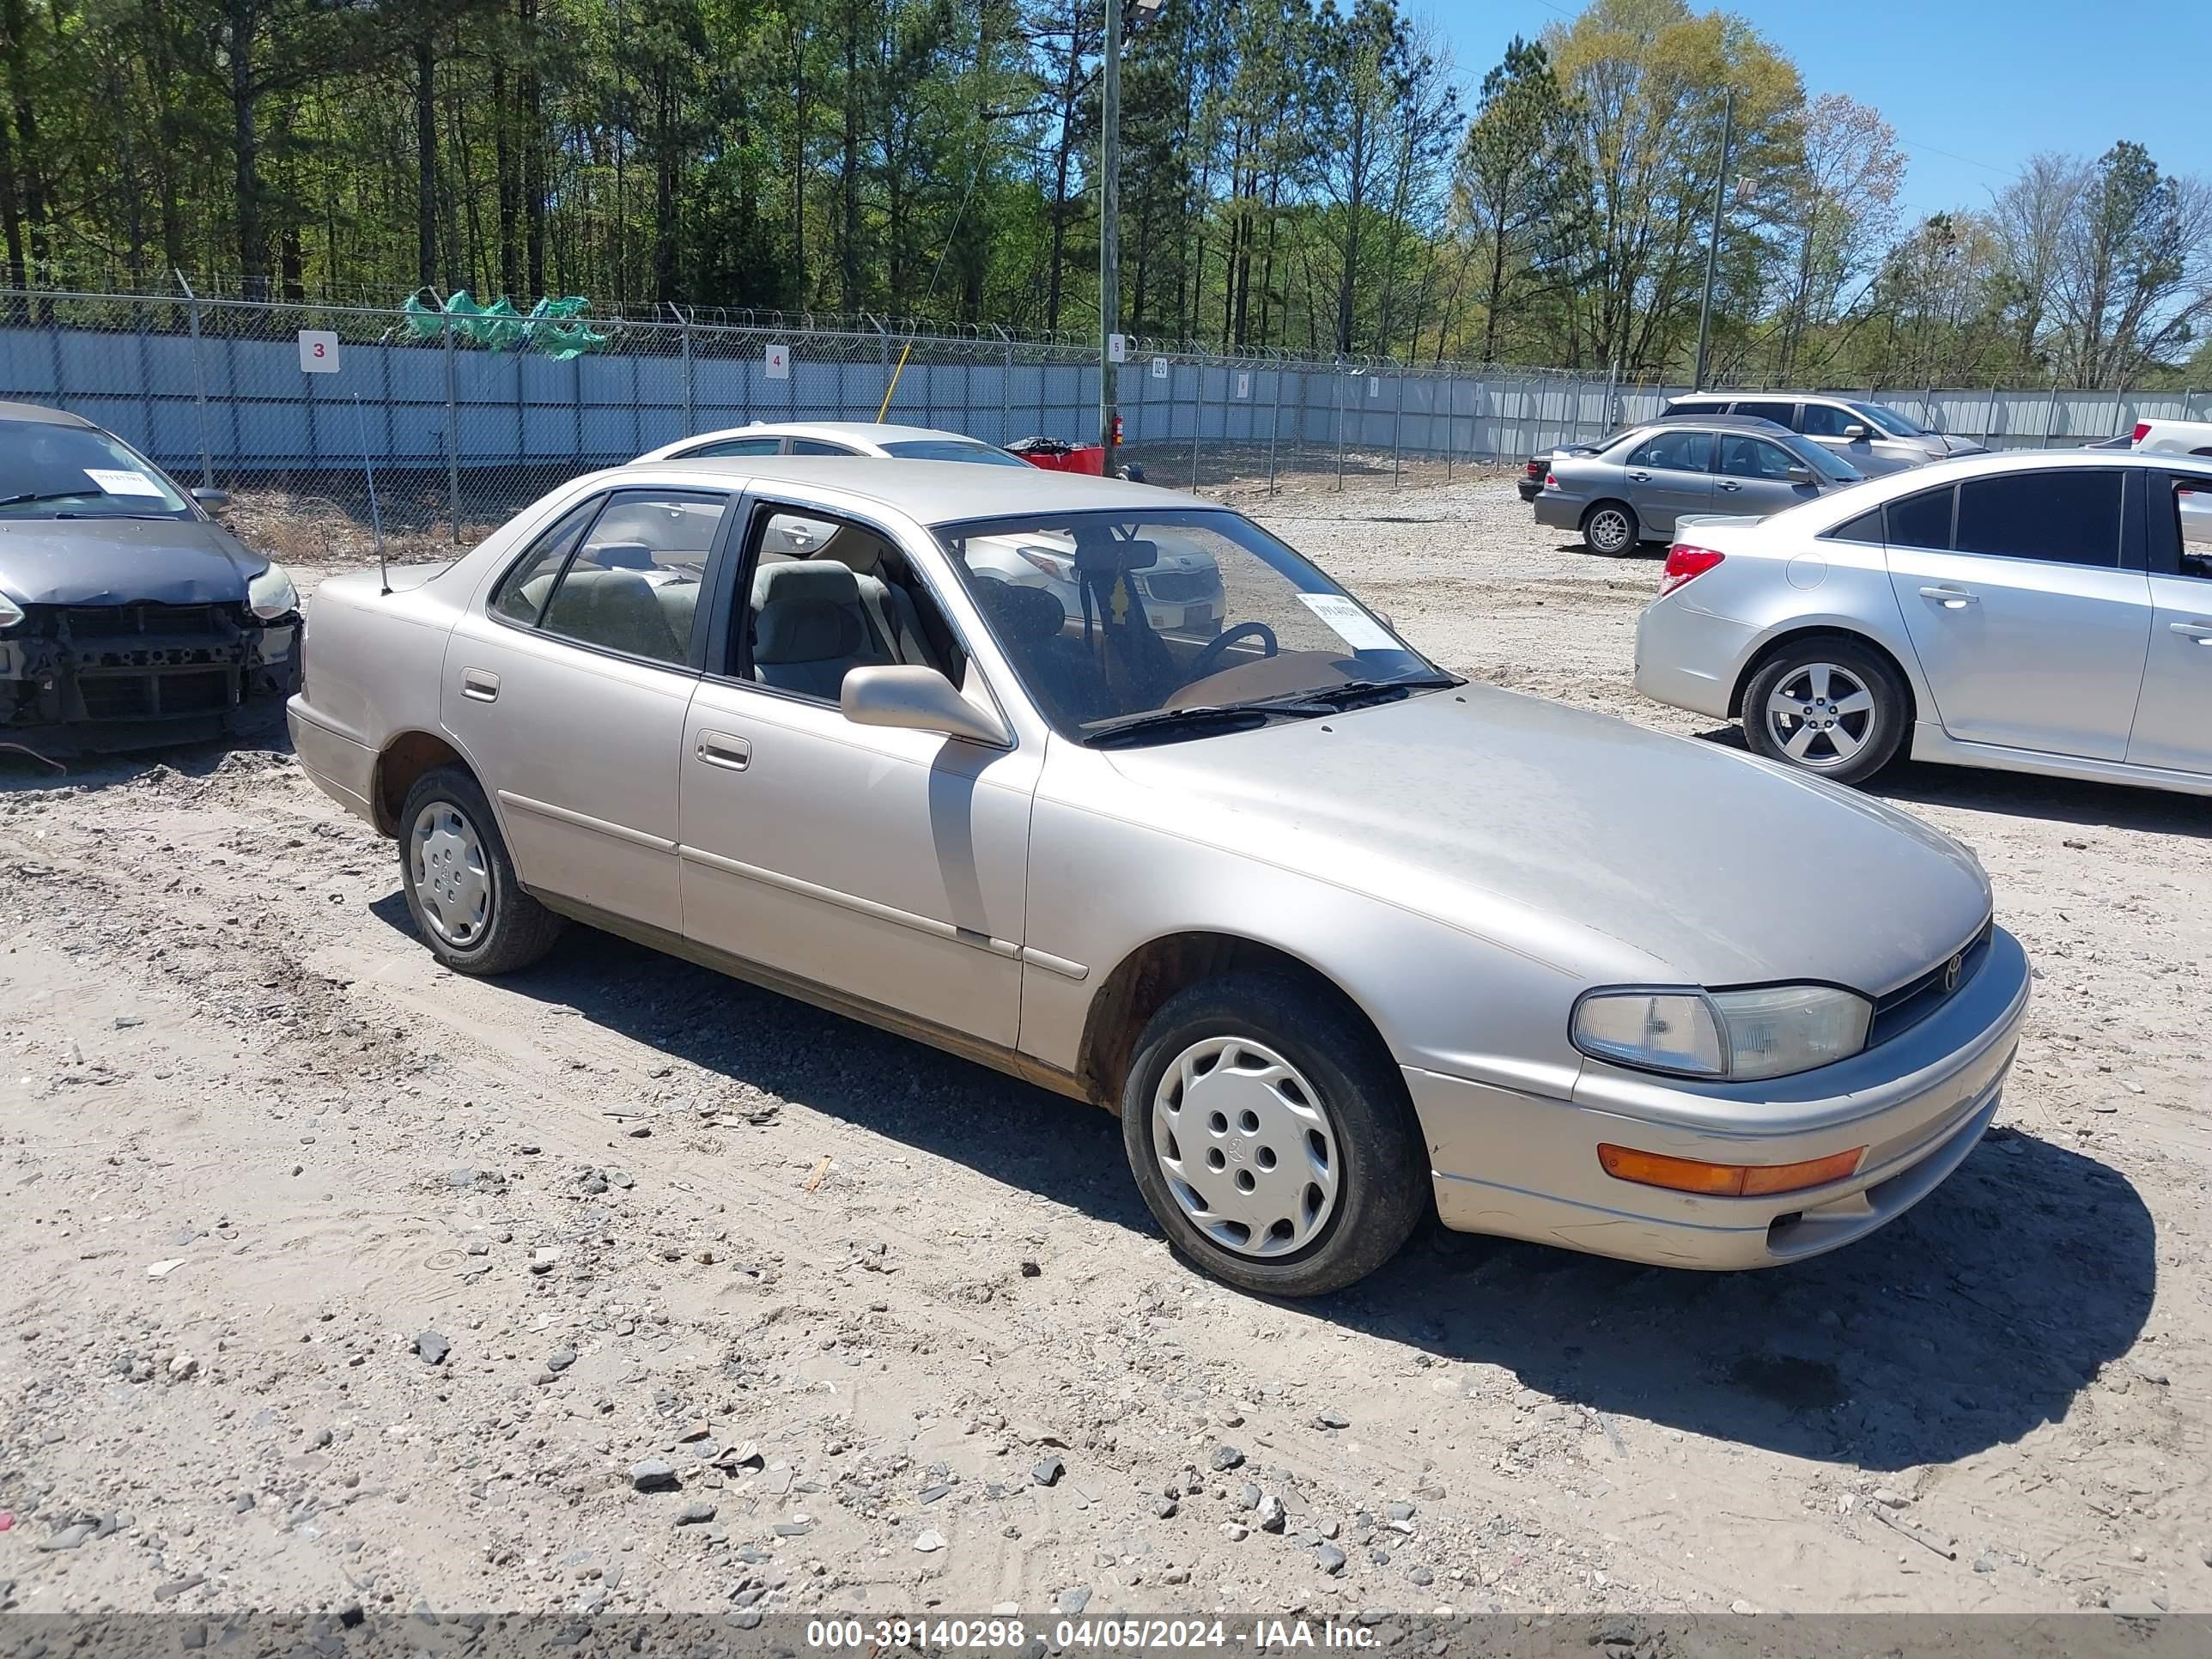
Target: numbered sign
[1244,383]
[1117,347]
[1374,386]
[319,352]
[1159,368]
[778,362]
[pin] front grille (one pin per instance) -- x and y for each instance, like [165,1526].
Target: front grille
[154,697]
[1913,1001]
[115,622]
[1179,586]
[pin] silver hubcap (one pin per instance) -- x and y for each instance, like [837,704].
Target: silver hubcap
[1246,1149]
[1608,531]
[1821,716]
[452,883]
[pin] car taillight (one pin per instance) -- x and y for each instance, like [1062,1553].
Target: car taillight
[1551,481]
[1686,564]
[2142,431]
[1535,467]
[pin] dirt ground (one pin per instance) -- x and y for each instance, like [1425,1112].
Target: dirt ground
[735,1305]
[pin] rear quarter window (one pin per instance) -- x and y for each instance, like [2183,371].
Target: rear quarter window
[1921,520]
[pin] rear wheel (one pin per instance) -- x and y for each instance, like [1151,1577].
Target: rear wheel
[461,886]
[1271,1136]
[1829,705]
[1610,527]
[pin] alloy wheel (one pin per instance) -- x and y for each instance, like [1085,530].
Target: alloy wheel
[1820,715]
[1607,530]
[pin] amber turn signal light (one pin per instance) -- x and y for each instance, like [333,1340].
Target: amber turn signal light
[1689,1175]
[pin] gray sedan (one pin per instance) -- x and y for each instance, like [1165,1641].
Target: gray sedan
[127,615]
[1633,486]
[1339,938]
[2035,611]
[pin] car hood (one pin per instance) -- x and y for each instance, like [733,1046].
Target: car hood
[123,562]
[1942,445]
[1605,849]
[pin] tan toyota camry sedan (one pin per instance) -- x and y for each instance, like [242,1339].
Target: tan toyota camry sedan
[1338,936]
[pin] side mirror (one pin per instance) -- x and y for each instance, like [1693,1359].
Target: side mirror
[916,699]
[1801,474]
[1854,433]
[212,497]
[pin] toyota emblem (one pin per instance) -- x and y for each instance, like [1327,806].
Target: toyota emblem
[1950,971]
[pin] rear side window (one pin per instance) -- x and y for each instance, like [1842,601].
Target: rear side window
[529,583]
[1867,527]
[1922,520]
[1674,451]
[1697,406]
[2060,518]
[633,585]
[1782,414]
[815,447]
[730,446]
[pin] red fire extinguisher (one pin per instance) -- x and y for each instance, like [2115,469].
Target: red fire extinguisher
[1117,431]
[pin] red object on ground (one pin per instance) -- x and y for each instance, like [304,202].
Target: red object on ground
[7,1519]
[1086,458]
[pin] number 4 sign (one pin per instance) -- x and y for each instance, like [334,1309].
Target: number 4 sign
[778,362]
[319,352]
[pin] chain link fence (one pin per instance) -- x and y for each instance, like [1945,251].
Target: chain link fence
[326,420]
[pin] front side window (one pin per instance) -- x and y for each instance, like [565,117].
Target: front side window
[1882,418]
[1754,458]
[1827,420]
[2060,518]
[52,471]
[829,595]
[1674,451]
[1199,618]
[950,449]
[1922,520]
[626,577]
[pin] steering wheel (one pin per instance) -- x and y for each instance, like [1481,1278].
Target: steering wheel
[1208,660]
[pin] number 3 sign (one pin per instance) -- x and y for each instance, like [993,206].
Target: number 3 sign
[319,352]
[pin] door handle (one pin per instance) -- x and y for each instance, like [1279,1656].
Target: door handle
[1730,487]
[720,749]
[2197,631]
[479,685]
[1641,477]
[1951,599]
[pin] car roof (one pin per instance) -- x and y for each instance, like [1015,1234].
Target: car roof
[40,415]
[1725,423]
[1737,396]
[874,432]
[929,491]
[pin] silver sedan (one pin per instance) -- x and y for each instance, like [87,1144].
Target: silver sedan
[1340,938]
[1634,485]
[2033,611]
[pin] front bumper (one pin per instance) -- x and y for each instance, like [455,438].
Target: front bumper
[1525,1167]
[80,679]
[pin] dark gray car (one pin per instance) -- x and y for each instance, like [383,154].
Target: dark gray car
[1632,486]
[127,615]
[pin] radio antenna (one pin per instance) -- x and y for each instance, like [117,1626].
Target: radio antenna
[375,513]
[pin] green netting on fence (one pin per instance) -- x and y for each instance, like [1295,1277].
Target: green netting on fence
[549,326]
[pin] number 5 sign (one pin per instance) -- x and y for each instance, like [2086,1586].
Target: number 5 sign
[319,352]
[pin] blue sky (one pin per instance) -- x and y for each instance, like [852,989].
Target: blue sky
[1972,86]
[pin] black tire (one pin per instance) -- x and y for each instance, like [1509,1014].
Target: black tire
[1612,528]
[516,930]
[1383,1169]
[1134,472]
[1793,667]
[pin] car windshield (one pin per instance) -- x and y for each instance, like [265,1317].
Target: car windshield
[1824,462]
[1165,624]
[50,472]
[950,449]
[1897,425]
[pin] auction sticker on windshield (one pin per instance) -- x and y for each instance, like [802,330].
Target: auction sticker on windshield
[1349,623]
[118,482]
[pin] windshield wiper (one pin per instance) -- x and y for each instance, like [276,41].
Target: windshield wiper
[44,496]
[1216,716]
[1332,699]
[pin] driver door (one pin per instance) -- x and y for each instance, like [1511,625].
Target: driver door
[884,866]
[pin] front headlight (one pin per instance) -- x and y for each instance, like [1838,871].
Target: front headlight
[1742,1036]
[271,594]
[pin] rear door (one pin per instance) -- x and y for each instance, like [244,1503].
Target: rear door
[1670,473]
[2027,604]
[1754,476]
[2173,720]
[1781,412]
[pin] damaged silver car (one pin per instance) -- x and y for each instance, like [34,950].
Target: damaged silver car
[128,616]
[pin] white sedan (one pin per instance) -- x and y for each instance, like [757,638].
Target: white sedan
[897,443]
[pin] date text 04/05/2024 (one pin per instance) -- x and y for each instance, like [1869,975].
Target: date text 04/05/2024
[1133,1635]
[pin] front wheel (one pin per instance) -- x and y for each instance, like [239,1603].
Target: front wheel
[1271,1136]
[1610,527]
[1829,705]
[462,891]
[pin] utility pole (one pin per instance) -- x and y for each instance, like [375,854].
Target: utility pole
[1713,243]
[1109,228]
